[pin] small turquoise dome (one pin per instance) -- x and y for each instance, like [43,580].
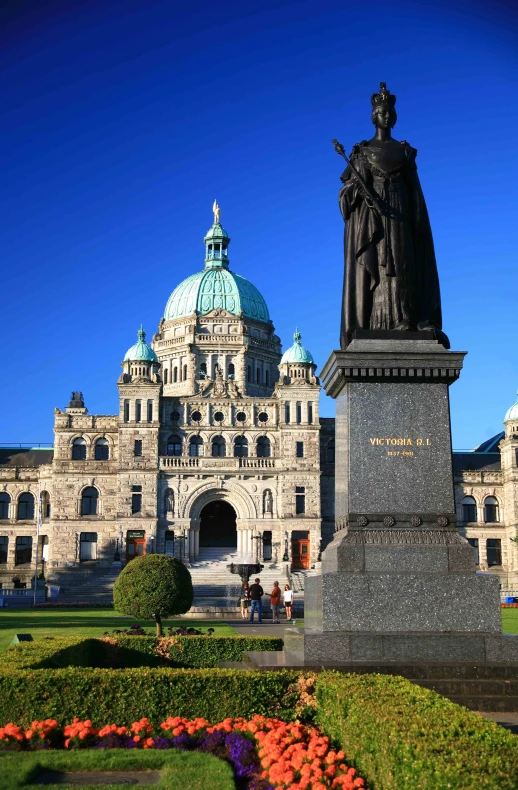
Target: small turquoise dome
[512,413]
[297,352]
[216,287]
[140,352]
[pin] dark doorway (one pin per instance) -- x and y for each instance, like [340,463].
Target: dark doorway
[218,525]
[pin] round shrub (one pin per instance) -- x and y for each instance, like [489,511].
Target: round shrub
[152,587]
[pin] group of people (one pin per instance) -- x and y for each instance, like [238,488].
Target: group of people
[251,599]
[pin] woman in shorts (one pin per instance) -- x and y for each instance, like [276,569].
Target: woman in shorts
[288,600]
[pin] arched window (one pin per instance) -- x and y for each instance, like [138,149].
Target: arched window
[102,450]
[241,447]
[267,378]
[174,446]
[263,447]
[267,501]
[89,499]
[231,371]
[196,446]
[175,375]
[219,448]
[79,450]
[166,375]
[45,504]
[258,376]
[330,452]
[185,372]
[25,507]
[469,509]
[491,514]
[203,370]
[169,502]
[5,501]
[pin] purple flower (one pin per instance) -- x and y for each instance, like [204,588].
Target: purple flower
[212,742]
[183,741]
[162,743]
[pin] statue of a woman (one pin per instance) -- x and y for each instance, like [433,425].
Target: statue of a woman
[391,280]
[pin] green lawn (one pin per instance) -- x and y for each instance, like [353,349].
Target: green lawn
[188,770]
[510,621]
[87,622]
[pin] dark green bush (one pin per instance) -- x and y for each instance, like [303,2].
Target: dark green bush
[126,695]
[152,587]
[119,652]
[399,735]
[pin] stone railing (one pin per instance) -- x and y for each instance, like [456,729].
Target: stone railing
[207,462]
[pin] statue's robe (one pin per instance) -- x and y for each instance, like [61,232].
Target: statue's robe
[391,276]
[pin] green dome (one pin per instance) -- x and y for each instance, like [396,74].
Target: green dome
[297,352]
[140,352]
[512,413]
[216,287]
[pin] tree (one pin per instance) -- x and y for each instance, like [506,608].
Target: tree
[153,586]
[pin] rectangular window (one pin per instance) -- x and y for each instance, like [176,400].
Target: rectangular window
[137,448]
[88,546]
[126,411]
[299,413]
[469,513]
[300,500]
[474,542]
[138,411]
[494,552]
[287,413]
[310,413]
[300,449]
[4,546]
[23,551]
[136,503]
[150,411]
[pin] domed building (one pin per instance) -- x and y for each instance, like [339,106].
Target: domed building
[217,452]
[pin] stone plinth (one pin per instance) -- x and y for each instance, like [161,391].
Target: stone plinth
[398,582]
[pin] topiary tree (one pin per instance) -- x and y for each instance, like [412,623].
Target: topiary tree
[153,586]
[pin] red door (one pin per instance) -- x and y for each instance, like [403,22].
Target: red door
[300,550]
[135,544]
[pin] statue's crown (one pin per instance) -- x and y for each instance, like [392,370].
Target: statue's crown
[383,97]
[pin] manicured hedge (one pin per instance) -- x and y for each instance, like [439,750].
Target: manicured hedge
[134,651]
[127,695]
[399,735]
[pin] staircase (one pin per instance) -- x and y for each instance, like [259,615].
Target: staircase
[95,586]
[217,591]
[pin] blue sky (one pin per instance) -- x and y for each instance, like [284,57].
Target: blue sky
[122,121]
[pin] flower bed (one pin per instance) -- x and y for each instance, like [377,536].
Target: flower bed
[264,753]
[509,605]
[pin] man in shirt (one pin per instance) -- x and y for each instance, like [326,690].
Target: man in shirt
[256,593]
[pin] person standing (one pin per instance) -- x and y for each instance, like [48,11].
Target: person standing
[256,593]
[275,602]
[245,600]
[288,600]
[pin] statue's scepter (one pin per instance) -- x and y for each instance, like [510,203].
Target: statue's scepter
[369,196]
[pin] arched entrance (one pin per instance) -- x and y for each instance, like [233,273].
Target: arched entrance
[218,525]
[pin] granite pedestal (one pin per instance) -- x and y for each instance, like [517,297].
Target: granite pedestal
[398,582]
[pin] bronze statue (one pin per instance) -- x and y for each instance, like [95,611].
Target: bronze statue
[391,280]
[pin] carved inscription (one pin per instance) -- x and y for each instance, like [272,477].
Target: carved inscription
[400,441]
